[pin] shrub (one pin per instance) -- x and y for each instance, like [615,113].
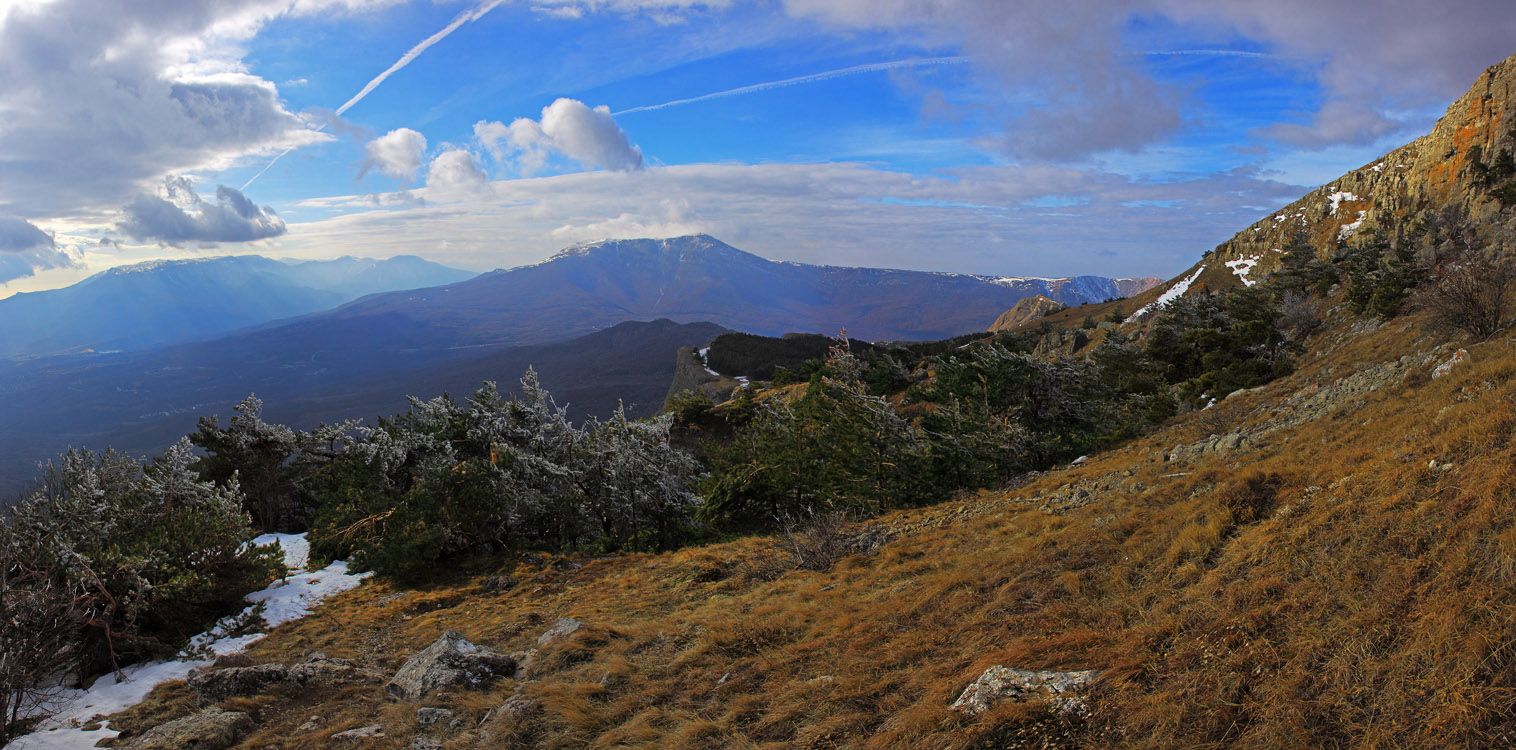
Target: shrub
[1471,292]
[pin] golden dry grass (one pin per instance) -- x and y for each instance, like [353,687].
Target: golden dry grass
[1325,588]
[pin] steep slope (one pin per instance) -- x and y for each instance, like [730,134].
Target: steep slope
[1465,163]
[164,302]
[1025,311]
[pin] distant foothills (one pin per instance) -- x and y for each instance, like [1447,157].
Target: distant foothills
[130,357]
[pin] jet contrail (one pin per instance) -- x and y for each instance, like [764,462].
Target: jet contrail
[467,16]
[812,78]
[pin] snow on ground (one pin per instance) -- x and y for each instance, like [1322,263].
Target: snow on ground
[1241,268]
[706,363]
[1336,198]
[1175,292]
[283,601]
[1347,230]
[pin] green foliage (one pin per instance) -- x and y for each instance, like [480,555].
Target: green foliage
[1213,344]
[1380,274]
[1089,323]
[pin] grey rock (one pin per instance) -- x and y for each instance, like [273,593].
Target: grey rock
[451,661]
[515,707]
[429,715]
[211,729]
[564,628]
[211,686]
[426,743]
[320,669]
[361,734]
[999,684]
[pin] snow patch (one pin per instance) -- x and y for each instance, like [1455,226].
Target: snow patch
[283,601]
[1339,197]
[1347,230]
[1175,292]
[1241,267]
[1378,167]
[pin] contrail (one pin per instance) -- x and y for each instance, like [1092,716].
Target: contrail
[812,78]
[1210,52]
[467,16]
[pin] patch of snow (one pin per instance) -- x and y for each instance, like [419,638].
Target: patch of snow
[1241,267]
[1378,167]
[1347,230]
[1336,198]
[283,601]
[1175,292]
[706,363]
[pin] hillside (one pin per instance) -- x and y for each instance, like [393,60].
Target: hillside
[1325,559]
[144,306]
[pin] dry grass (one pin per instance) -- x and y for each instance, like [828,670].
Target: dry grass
[1324,589]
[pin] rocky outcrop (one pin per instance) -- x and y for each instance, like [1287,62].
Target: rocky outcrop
[359,736]
[452,661]
[691,374]
[1060,689]
[318,670]
[564,628]
[215,686]
[211,729]
[1452,166]
[1026,311]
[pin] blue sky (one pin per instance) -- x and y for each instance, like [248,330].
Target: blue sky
[1035,138]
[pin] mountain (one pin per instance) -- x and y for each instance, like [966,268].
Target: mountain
[142,402]
[1464,164]
[687,279]
[1024,312]
[164,302]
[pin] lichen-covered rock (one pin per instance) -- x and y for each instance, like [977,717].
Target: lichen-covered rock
[211,686]
[211,729]
[451,661]
[564,628]
[429,715]
[1459,357]
[322,670]
[998,684]
[359,735]
[426,743]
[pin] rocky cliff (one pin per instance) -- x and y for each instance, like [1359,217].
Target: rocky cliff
[1025,311]
[1458,164]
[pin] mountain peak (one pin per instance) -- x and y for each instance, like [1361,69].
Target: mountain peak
[683,246]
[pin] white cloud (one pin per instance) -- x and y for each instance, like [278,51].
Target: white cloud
[397,154]
[455,169]
[982,220]
[568,128]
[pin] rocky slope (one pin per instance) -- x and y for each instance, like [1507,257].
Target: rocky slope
[1026,311]
[1452,166]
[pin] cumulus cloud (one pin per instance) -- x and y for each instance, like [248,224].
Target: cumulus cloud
[25,250]
[102,99]
[397,154]
[179,216]
[455,169]
[568,128]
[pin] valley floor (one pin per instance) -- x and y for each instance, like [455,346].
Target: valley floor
[1329,560]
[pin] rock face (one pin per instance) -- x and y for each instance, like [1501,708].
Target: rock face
[211,729]
[997,684]
[690,374]
[451,661]
[1025,311]
[1454,165]
[214,686]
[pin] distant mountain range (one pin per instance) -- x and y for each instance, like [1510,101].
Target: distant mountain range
[361,359]
[132,308]
[695,278]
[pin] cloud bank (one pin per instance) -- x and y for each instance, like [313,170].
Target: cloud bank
[25,249]
[180,217]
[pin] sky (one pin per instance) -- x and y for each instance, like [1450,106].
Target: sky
[1036,137]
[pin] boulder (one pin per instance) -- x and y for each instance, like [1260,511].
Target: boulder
[359,735]
[564,628]
[321,670]
[999,684]
[451,661]
[215,685]
[426,743]
[211,729]
[1458,358]
[429,715]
